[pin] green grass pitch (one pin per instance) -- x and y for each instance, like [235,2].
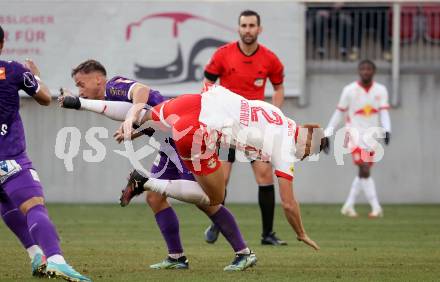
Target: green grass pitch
[110,243]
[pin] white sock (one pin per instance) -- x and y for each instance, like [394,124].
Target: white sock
[58,259]
[182,190]
[244,252]
[111,109]
[176,256]
[33,250]
[354,191]
[370,192]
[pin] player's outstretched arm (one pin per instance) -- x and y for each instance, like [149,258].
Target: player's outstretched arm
[68,101]
[292,211]
[140,94]
[43,96]
[114,110]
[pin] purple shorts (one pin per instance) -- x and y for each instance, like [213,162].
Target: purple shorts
[168,165]
[23,185]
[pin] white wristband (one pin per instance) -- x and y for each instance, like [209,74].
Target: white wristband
[37,78]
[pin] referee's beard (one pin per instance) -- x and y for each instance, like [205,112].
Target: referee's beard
[248,39]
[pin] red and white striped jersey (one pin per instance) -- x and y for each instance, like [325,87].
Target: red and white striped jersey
[251,125]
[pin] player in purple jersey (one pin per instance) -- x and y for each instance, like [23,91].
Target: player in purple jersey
[120,95]
[21,194]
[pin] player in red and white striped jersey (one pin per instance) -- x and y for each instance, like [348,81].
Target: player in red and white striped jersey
[198,124]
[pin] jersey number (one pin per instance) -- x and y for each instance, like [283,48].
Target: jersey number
[4,129]
[276,119]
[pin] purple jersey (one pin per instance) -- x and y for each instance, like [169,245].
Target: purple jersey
[119,89]
[166,166]
[13,77]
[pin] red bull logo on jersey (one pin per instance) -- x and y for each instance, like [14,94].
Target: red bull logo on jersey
[367,111]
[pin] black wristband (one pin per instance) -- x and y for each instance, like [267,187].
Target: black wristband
[71,102]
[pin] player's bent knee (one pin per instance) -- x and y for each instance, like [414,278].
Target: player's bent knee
[215,200]
[264,177]
[156,201]
[209,210]
[30,203]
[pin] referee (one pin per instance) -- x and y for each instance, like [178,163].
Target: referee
[243,67]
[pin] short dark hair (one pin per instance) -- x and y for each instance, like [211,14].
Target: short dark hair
[88,67]
[249,13]
[368,62]
[2,34]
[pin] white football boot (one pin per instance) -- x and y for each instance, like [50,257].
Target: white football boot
[349,211]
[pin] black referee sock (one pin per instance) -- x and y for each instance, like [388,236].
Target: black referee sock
[266,200]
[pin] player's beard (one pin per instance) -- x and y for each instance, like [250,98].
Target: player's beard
[248,39]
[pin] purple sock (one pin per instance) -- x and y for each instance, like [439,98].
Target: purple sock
[16,221]
[169,226]
[43,231]
[225,221]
